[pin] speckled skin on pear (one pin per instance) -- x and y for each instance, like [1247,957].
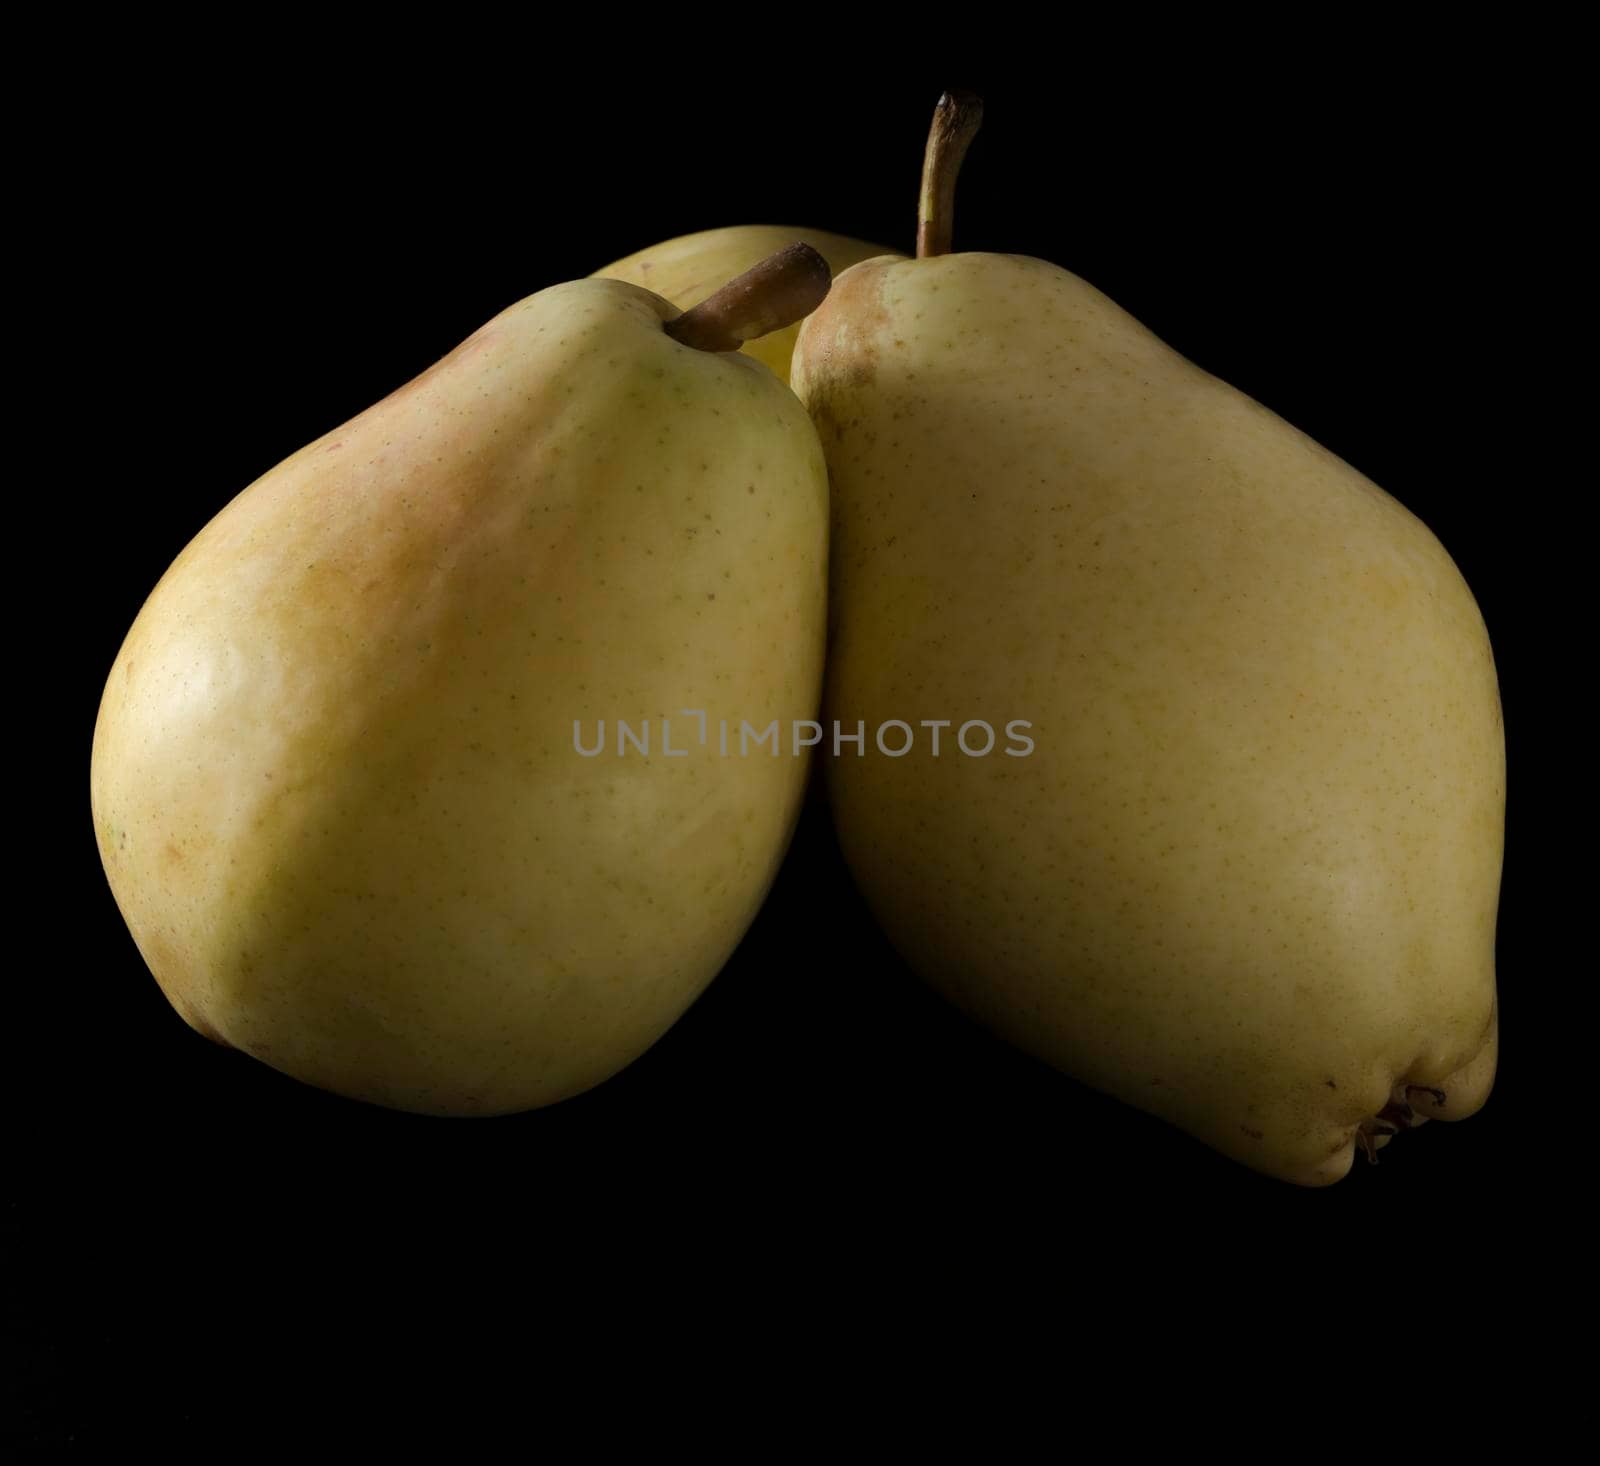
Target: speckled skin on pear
[688,269]
[334,779]
[1248,879]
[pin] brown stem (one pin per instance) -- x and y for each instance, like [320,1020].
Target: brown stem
[779,291]
[956,121]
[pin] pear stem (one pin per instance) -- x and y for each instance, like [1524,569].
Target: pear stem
[956,121]
[781,290]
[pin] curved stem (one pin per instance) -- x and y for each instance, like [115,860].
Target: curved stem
[779,291]
[956,121]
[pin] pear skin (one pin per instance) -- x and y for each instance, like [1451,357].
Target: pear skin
[336,782]
[1246,880]
[688,269]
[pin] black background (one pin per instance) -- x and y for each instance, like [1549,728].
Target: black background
[208,1242]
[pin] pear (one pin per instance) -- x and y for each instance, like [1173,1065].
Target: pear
[687,269]
[348,781]
[1233,853]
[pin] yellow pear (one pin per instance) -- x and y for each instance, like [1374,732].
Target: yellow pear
[344,776]
[1236,858]
[687,269]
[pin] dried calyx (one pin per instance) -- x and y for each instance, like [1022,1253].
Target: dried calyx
[1399,1114]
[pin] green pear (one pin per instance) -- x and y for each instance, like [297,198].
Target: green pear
[344,780]
[687,269]
[1240,868]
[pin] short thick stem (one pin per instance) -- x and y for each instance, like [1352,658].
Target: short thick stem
[782,289]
